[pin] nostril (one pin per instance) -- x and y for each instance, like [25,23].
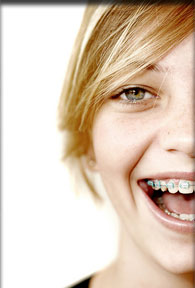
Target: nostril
[186,150]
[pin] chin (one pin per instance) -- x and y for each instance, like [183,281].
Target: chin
[179,264]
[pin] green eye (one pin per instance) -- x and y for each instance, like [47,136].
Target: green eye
[135,94]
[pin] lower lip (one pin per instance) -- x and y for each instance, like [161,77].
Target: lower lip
[168,221]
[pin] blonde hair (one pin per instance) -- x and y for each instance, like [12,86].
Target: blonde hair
[115,42]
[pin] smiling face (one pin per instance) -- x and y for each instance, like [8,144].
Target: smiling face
[148,133]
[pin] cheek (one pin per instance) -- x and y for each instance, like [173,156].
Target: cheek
[119,142]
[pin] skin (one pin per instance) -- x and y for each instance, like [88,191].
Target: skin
[131,142]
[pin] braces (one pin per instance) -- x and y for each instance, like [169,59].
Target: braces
[157,184]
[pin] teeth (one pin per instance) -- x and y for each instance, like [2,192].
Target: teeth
[184,217]
[172,187]
[184,186]
[163,186]
[156,185]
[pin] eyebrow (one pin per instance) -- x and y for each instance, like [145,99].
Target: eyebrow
[157,68]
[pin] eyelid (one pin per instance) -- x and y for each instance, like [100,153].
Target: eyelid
[137,86]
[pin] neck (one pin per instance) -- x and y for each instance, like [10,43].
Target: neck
[133,268]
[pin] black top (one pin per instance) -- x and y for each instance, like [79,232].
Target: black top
[83,284]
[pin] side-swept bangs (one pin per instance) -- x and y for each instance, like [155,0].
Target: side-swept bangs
[115,43]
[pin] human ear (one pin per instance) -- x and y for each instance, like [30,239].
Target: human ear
[90,159]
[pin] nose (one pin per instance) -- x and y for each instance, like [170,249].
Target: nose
[178,132]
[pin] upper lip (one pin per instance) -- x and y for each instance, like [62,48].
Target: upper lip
[190,176]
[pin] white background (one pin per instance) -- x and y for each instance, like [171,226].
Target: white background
[50,237]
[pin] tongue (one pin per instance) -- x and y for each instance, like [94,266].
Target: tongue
[179,203]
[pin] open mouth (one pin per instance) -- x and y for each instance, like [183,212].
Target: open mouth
[171,201]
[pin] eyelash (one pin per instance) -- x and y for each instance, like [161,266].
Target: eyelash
[135,101]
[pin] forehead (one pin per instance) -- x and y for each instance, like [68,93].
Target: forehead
[181,58]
